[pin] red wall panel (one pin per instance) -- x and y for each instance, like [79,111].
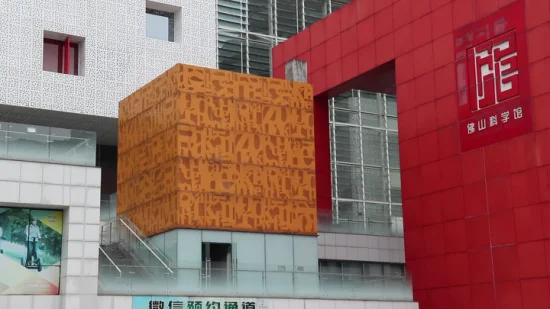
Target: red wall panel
[475,207]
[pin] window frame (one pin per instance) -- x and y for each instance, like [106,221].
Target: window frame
[64,54]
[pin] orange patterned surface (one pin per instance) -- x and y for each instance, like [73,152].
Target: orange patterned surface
[210,149]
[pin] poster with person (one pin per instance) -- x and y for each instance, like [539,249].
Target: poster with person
[30,251]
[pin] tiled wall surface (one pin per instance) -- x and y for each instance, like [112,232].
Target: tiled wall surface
[119,58]
[125,302]
[76,190]
[211,149]
[354,247]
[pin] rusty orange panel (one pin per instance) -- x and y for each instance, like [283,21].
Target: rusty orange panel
[251,88]
[203,148]
[189,204]
[300,124]
[192,175]
[302,95]
[192,109]
[249,148]
[302,155]
[164,178]
[277,151]
[219,113]
[221,84]
[248,117]
[248,213]
[220,145]
[275,120]
[221,178]
[303,185]
[192,142]
[278,182]
[279,91]
[250,180]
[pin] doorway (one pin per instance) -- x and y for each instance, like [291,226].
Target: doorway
[217,264]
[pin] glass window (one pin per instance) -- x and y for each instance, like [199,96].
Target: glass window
[159,25]
[28,143]
[3,139]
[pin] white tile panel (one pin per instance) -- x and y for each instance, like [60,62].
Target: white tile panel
[76,232]
[330,239]
[9,191]
[92,232]
[93,197]
[78,176]
[92,215]
[342,253]
[30,193]
[31,172]
[53,174]
[52,194]
[78,196]
[330,252]
[90,250]
[11,170]
[93,177]
[76,215]
[90,267]
[327,304]
[4,301]
[75,249]
[356,305]
[74,267]
[122,302]
[20,301]
[46,302]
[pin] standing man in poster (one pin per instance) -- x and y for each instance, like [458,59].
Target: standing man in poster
[32,232]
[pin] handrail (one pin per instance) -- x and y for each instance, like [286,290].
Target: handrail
[151,250]
[152,246]
[110,260]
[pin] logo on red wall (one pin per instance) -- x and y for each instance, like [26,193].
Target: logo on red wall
[493,79]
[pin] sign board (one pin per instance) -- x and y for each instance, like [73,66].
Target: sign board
[167,302]
[493,79]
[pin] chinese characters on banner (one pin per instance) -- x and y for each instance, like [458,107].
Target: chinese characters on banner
[493,81]
[148,302]
[494,120]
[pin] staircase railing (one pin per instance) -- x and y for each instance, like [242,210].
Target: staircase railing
[111,261]
[123,232]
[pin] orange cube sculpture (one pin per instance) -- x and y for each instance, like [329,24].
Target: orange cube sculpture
[209,149]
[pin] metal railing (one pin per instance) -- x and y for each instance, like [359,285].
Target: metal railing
[111,261]
[125,234]
[221,282]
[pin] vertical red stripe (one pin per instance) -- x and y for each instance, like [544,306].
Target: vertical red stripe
[66,60]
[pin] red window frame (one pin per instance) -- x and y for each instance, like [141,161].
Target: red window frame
[64,54]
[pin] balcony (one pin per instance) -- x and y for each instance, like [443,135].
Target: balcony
[45,144]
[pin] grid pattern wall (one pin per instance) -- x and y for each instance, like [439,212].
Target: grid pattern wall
[118,56]
[366,180]
[248,29]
